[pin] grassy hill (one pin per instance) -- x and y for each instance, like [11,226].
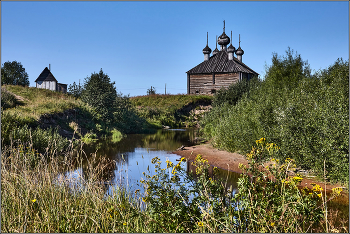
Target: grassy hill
[172,110]
[42,117]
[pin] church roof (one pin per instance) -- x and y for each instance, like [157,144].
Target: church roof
[45,75]
[219,63]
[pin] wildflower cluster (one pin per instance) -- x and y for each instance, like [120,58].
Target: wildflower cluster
[190,200]
[271,195]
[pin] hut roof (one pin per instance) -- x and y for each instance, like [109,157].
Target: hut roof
[219,63]
[45,75]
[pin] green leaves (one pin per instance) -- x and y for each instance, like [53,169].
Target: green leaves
[13,73]
[99,92]
[307,116]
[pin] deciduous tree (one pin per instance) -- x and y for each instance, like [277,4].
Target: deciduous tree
[13,73]
[99,92]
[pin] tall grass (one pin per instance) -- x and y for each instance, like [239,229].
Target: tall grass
[44,198]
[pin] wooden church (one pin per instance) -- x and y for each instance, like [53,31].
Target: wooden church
[219,70]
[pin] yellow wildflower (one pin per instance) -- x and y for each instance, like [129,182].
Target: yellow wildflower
[34,200]
[182,159]
[319,195]
[200,224]
[317,188]
[297,179]
[169,163]
[124,223]
[272,224]
[337,191]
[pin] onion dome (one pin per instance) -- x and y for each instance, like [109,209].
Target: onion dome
[216,49]
[231,48]
[239,51]
[223,39]
[206,50]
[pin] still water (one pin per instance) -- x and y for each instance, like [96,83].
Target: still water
[133,155]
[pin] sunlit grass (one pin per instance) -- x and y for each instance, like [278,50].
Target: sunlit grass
[41,101]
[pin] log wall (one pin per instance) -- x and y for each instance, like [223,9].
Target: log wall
[209,83]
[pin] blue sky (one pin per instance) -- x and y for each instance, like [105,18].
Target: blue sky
[144,44]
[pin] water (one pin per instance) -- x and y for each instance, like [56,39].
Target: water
[133,155]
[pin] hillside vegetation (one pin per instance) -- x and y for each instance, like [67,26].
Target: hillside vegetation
[172,110]
[306,115]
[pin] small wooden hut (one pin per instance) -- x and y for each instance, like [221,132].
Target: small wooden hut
[47,81]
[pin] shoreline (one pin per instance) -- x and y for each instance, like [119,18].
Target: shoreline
[230,161]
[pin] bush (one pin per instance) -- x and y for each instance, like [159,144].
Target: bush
[7,99]
[308,116]
[234,92]
[99,92]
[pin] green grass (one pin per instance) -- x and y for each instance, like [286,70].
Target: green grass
[169,110]
[39,199]
[41,101]
[166,102]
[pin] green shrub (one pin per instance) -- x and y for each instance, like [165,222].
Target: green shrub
[99,92]
[308,116]
[7,99]
[234,92]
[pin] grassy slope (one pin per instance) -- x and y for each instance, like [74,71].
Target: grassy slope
[168,101]
[172,110]
[41,101]
[41,108]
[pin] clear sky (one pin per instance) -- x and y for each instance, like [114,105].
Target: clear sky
[144,44]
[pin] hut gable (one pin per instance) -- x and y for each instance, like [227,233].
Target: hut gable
[46,80]
[46,75]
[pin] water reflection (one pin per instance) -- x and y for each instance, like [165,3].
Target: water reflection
[133,154]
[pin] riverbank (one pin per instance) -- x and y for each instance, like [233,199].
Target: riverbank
[230,161]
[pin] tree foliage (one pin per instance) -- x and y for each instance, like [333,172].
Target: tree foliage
[306,115]
[99,92]
[13,73]
[75,89]
[151,91]
[234,92]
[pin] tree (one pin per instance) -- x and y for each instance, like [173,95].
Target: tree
[99,92]
[287,71]
[75,89]
[13,73]
[151,91]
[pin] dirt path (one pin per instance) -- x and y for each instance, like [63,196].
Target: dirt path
[230,161]
[19,98]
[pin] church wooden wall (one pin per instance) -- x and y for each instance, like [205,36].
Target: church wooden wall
[203,83]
